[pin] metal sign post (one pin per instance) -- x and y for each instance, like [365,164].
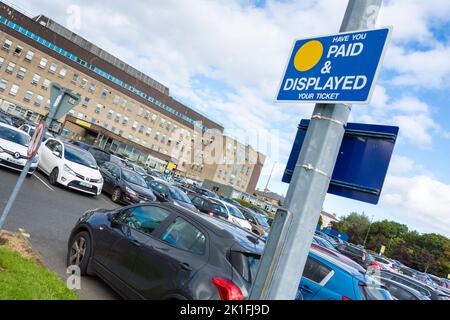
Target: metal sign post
[279,275]
[63,99]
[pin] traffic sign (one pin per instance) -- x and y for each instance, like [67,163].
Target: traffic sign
[362,162]
[68,100]
[339,68]
[36,140]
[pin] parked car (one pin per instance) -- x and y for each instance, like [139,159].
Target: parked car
[400,291]
[354,253]
[5,119]
[31,128]
[258,223]
[428,291]
[208,205]
[70,166]
[269,220]
[124,185]
[118,160]
[235,216]
[328,278]
[338,255]
[166,192]
[324,243]
[14,147]
[205,192]
[17,121]
[231,201]
[101,156]
[133,166]
[163,251]
[408,271]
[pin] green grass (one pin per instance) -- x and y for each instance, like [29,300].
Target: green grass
[23,279]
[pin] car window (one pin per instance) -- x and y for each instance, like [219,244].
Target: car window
[398,292]
[50,144]
[14,136]
[183,235]
[412,285]
[145,219]
[316,271]
[198,201]
[114,170]
[177,194]
[235,212]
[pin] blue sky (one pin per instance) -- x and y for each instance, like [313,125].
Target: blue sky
[226,59]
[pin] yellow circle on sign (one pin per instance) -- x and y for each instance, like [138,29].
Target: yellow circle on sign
[308,55]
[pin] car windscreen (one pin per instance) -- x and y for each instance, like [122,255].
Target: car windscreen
[374,292]
[179,195]
[14,136]
[139,170]
[134,178]
[79,156]
[219,208]
[235,212]
[101,155]
[245,264]
[261,221]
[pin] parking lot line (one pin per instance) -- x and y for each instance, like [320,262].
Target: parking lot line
[35,175]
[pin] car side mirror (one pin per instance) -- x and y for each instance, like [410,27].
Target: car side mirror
[57,153]
[112,217]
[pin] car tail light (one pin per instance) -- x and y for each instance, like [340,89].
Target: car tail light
[376,265]
[227,289]
[345,298]
[210,213]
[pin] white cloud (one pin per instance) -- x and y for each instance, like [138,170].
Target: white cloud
[419,200]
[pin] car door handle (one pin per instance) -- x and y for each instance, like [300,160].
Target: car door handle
[136,243]
[306,289]
[185,266]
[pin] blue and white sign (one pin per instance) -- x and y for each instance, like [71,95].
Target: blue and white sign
[340,68]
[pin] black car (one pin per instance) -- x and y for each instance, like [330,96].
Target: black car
[165,192]
[205,192]
[356,254]
[5,119]
[400,291]
[162,251]
[17,121]
[101,156]
[124,185]
[428,291]
[209,206]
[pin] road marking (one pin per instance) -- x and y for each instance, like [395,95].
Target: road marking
[24,233]
[43,182]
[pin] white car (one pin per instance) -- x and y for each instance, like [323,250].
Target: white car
[30,128]
[70,166]
[13,148]
[235,216]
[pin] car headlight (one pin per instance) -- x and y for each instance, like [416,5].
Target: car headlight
[131,192]
[36,159]
[67,169]
[100,180]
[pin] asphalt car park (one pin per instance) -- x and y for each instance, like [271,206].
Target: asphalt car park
[48,213]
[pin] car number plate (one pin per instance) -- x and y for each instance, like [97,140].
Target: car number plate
[85,184]
[14,161]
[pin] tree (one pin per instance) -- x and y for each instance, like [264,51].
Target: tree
[355,226]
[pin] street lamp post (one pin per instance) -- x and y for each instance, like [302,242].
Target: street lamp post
[368,230]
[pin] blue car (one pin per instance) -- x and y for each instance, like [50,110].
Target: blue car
[327,278]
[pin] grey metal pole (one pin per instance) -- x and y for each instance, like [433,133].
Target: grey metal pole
[367,233]
[282,263]
[23,174]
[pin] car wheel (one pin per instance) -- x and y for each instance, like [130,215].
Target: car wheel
[53,176]
[116,195]
[80,252]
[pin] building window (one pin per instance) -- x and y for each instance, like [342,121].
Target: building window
[104,93]
[92,87]
[7,44]
[118,116]
[35,79]
[83,83]
[53,67]
[10,67]
[130,107]
[162,123]
[148,132]
[110,113]
[85,102]
[28,96]
[38,100]
[135,124]
[21,73]
[14,89]
[18,51]
[113,129]
[46,84]
[98,108]
[29,56]
[74,78]
[1,62]
[125,121]
[120,132]
[106,125]
[43,63]
[163,139]
[140,112]
[141,128]
[116,99]
[157,135]
[154,117]
[3,84]
[62,72]
[80,116]
[147,115]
